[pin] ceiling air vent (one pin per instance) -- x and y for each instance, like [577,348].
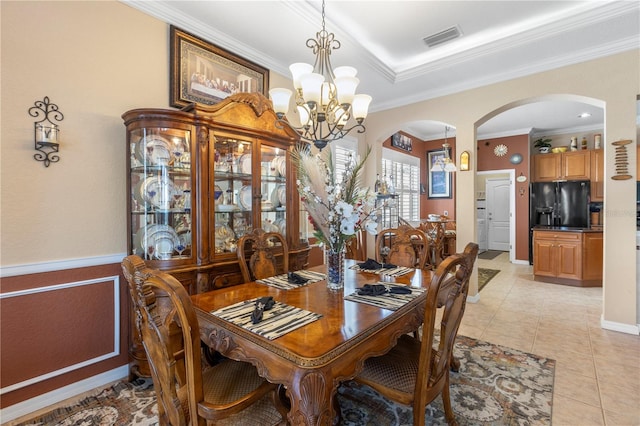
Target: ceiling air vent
[443,36]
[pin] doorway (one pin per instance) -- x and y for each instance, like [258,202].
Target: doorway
[499,193]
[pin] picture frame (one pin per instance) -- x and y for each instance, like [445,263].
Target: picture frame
[439,183]
[207,74]
[402,141]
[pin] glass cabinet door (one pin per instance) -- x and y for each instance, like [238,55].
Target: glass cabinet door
[273,182]
[160,177]
[233,192]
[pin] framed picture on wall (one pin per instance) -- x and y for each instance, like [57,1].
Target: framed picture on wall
[206,74]
[401,141]
[439,183]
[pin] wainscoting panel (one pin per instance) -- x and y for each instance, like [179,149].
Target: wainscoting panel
[61,327]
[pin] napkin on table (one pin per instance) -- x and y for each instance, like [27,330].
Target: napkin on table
[371,264]
[294,278]
[262,304]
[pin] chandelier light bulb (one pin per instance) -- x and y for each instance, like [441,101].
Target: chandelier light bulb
[360,106]
[345,72]
[346,88]
[280,98]
[298,70]
[305,115]
[312,87]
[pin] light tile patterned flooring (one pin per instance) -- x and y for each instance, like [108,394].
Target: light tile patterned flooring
[597,376]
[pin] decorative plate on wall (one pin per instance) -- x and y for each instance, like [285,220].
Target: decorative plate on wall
[500,150]
[515,159]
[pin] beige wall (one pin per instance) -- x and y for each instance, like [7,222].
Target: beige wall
[96,60]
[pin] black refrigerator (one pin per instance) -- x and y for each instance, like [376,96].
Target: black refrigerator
[563,203]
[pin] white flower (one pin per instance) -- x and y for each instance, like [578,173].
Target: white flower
[344,209]
[347,227]
[371,227]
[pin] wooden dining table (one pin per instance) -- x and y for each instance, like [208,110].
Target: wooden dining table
[312,360]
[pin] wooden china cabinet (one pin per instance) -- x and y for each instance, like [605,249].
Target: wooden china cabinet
[199,179]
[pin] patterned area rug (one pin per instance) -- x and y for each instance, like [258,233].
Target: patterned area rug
[485,275]
[495,386]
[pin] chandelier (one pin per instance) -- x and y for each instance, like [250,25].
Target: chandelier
[325,97]
[444,164]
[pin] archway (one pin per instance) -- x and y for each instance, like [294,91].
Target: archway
[519,149]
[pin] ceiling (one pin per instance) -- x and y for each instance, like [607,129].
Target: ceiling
[500,40]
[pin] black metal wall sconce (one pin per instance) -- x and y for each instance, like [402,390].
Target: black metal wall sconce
[46,133]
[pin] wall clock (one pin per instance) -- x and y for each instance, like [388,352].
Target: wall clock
[500,150]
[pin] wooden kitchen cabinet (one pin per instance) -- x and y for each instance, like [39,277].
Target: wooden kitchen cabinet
[574,165]
[597,175]
[564,257]
[592,256]
[557,254]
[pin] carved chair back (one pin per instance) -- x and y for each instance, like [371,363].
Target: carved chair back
[258,254]
[406,246]
[186,394]
[168,325]
[355,248]
[415,372]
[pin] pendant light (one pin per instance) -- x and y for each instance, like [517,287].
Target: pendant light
[445,164]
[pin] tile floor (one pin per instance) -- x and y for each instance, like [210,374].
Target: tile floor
[597,377]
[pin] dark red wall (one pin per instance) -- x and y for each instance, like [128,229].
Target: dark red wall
[487,161]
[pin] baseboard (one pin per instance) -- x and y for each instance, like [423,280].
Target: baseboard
[520,262]
[50,398]
[474,299]
[622,328]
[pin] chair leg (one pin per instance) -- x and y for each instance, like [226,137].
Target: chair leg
[282,403]
[454,363]
[446,402]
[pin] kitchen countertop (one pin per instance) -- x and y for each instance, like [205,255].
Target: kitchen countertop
[567,228]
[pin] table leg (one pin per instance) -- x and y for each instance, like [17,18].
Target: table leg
[312,400]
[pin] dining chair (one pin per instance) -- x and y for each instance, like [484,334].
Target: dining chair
[415,371]
[258,253]
[355,248]
[406,246]
[186,393]
[435,232]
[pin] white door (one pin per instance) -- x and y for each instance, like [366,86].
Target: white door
[498,213]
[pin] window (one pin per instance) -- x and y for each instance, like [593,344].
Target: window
[343,152]
[404,172]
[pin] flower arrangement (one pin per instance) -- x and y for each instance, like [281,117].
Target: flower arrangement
[337,209]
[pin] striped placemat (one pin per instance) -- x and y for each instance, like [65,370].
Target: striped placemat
[396,271]
[389,301]
[276,322]
[281,281]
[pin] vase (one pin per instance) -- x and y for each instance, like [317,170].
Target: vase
[335,269]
